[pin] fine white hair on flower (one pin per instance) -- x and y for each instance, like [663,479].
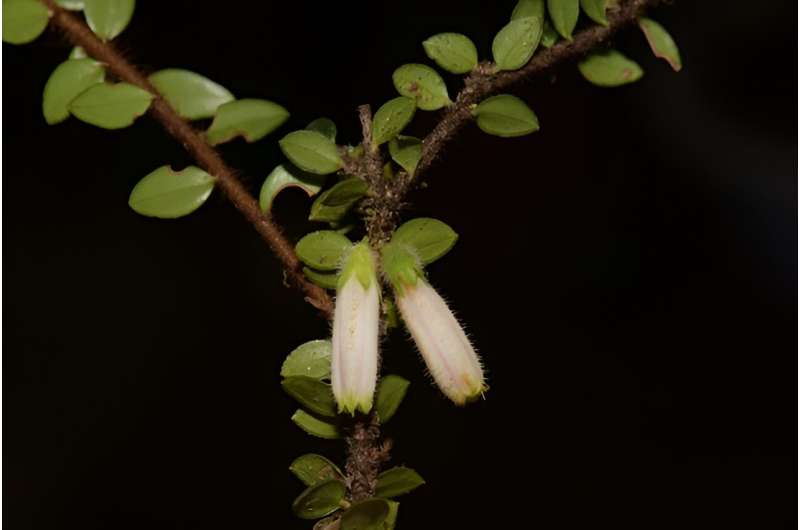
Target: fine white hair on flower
[448,353]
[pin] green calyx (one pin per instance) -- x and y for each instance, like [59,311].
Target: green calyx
[401,266]
[360,263]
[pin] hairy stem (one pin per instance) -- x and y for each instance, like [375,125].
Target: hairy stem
[194,142]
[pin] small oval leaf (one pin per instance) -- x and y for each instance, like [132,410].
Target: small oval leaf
[312,469]
[505,115]
[513,46]
[406,151]
[251,119]
[398,481]
[67,81]
[391,391]
[430,239]
[311,151]
[319,500]
[326,280]
[314,426]
[287,176]
[661,42]
[193,96]
[368,514]
[453,52]
[333,204]
[422,83]
[323,249]
[391,118]
[111,106]
[609,69]
[108,18]
[564,14]
[169,194]
[528,8]
[324,126]
[313,394]
[23,20]
[549,35]
[596,10]
[312,359]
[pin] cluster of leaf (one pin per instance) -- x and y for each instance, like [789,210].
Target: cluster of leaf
[322,251]
[78,87]
[305,373]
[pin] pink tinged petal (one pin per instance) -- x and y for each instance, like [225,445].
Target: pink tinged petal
[447,351]
[354,365]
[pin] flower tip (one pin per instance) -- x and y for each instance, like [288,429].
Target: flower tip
[350,405]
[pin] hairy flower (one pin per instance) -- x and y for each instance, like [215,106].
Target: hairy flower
[354,364]
[448,353]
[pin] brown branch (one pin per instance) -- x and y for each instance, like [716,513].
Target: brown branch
[194,142]
[482,82]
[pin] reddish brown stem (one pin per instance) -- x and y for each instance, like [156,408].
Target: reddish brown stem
[194,142]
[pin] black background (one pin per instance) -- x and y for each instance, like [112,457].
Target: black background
[628,274]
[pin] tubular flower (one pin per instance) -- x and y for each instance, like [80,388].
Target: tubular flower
[448,353]
[354,363]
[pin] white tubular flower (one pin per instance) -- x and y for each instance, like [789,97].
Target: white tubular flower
[451,359]
[354,363]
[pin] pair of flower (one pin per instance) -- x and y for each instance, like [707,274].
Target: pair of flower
[448,353]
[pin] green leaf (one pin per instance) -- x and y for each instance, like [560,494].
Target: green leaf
[423,84]
[505,115]
[333,204]
[108,18]
[313,394]
[391,391]
[111,106]
[312,469]
[324,126]
[391,118]
[23,20]
[326,280]
[67,81]
[319,500]
[609,69]
[596,10]
[528,8]
[406,151]
[391,519]
[312,359]
[564,14]
[368,514]
[397,481]
[77,53]
[549,35]
[323,249]
[169,194]
[429,238]
[390,316]
[314,426]
[661,42]
[251,119]
[287,176]
[311,151]
[72,5]
[453,52]
[513,46]
[193,96]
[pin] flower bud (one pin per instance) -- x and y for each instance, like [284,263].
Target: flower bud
[354,362]
[448,353]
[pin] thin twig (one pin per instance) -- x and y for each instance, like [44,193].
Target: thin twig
[206,156]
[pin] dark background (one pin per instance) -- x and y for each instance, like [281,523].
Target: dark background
[628,274]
